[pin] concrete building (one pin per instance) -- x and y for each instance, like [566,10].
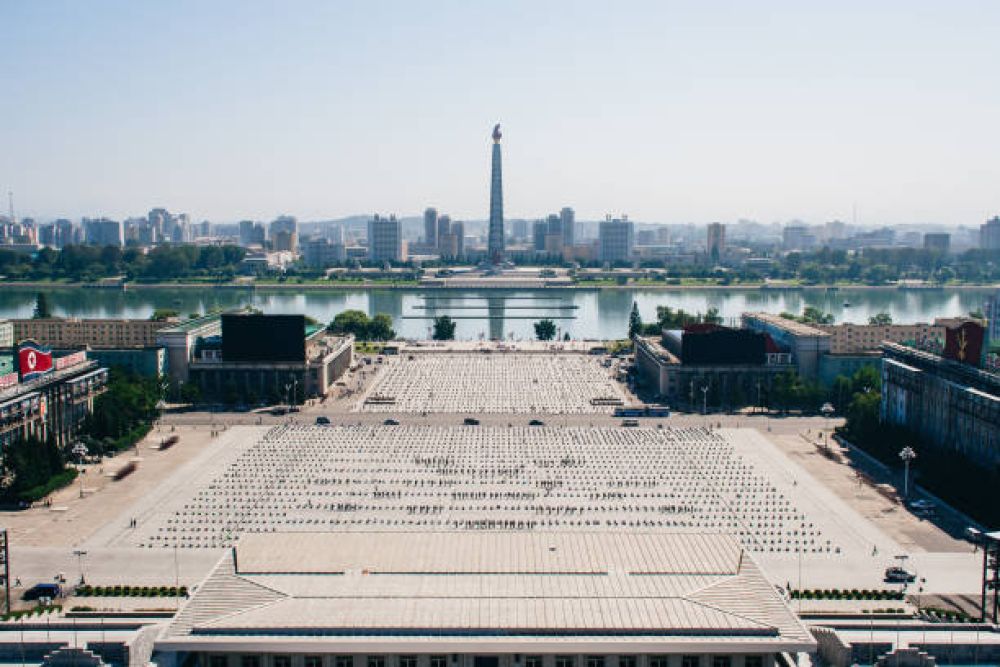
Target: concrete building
[180,340]
[146,361]
[937,242]
[715,243]
[102,232]
[953,405]
[991,310]
[430,227]
[711,377]
[320,253]
[6,334]
[52,405]
[476,599]
[65,333]
[806,343]
[989,234]
[616,240]
[268,357]
[385,239]
[847,338]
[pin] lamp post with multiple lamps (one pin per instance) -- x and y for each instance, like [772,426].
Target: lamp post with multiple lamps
[907,455]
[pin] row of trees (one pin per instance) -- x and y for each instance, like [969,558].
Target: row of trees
[668,318]
[87,263]
[364,328]
[123,413]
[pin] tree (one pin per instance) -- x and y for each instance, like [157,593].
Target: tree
[863,415]
[381,328]
[712,316]
[546,329]
[634,321]
[163,314]
[444,328]
[42,311]
[351,322]
[880,319]
[364,328]
[813,315]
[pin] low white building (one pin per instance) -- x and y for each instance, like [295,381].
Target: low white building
[483,599]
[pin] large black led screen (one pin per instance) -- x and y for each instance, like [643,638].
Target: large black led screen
[263,337]
[726,346]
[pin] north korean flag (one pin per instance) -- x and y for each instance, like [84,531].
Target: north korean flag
[33,360]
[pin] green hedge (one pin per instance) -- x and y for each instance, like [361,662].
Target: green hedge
[57,481]
[116,591]
[844,594]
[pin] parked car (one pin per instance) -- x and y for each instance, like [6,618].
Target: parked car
[897,575]
[536,422]
[630,422]
[38,591]
[322,421]
[391,422]
[471,421]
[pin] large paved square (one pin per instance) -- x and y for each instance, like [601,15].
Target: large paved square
[516,383]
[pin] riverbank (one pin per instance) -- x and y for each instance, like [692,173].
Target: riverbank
[488,285]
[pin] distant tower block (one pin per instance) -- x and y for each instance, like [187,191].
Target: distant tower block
[496,238]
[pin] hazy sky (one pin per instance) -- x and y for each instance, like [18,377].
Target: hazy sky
[668,111]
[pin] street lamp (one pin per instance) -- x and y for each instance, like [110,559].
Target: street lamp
[907,454]
[827,410]
[704,400]
[79,553]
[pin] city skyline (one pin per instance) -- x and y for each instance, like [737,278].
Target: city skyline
[671,112]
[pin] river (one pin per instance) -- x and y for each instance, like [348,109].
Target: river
[495,313]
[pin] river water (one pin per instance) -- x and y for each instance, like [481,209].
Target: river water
[492,313]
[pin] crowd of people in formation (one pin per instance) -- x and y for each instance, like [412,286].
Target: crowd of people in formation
[494,383]
[307,478]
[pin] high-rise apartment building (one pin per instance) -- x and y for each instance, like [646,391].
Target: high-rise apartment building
[937,242]
[385,239]
[452,244]
[251,233]
[320,253]
[519,229]
[65,233]
[495,244]
[458,233]
[989,234]
[797,237]
[443,229]
[102,231]
[715,244]
[567,219]
[539,230]
[430,227]
[616,240]
[289,225]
